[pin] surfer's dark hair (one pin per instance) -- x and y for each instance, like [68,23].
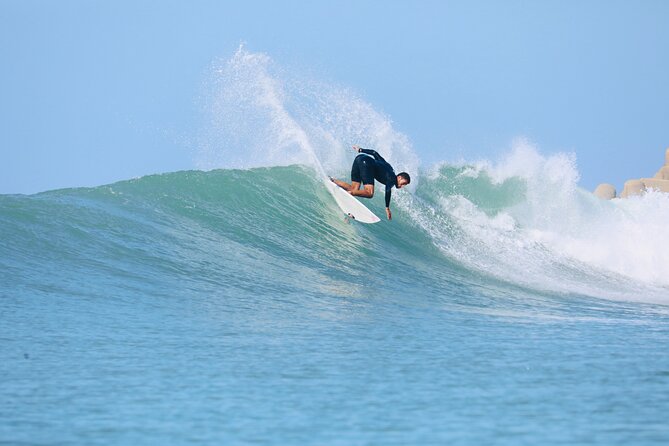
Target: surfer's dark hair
[405,176]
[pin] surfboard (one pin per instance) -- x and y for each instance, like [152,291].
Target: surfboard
[350,205]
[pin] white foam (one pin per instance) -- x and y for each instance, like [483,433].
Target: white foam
[558,237]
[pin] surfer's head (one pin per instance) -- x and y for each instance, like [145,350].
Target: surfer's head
[403,179]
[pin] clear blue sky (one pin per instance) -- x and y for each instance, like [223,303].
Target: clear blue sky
[92,92]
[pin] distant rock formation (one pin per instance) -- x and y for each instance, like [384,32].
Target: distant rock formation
[637,187]
[663,173]
[605,191]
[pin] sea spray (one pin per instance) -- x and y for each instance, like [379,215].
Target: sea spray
[525,220]
[260,114]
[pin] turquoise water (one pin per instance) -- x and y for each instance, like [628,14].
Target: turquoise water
[238,307]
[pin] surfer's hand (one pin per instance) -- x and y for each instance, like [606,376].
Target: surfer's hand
[356,148]
[389,214]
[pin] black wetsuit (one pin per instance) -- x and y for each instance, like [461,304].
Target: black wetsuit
[366,169]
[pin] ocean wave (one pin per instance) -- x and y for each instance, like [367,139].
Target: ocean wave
[278,228]
[262,217]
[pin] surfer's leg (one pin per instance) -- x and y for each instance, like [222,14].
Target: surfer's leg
[343,184]
[356,174]
[366,192]
[365,173]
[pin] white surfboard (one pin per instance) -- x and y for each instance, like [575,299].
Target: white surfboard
[350,205]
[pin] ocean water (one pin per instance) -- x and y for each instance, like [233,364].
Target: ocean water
[235,305]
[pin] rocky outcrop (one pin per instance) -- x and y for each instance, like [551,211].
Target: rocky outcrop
[663,173]
[637,187]
[605,191]
[633,187]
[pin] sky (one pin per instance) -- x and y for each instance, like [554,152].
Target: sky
[93,92]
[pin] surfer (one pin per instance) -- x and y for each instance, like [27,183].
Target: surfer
[365,169]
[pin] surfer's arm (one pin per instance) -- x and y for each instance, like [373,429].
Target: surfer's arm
[389,192]
[374,153]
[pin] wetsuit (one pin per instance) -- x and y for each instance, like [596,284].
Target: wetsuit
[366,169]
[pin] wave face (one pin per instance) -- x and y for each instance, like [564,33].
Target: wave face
[274,230]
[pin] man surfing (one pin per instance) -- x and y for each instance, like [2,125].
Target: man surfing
[365,169]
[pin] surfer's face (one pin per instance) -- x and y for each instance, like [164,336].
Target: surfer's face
[401,182]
